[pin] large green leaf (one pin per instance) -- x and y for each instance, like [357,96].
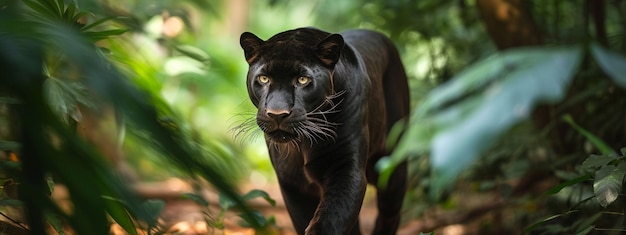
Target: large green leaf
[461,119]
[612,63]
[608,183]
[595,162]
[63,97]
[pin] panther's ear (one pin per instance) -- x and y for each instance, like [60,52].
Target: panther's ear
[329,49]
[250,44]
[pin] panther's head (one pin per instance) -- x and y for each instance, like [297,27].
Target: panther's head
[290,81]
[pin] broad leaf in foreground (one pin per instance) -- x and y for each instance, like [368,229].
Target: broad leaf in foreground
[612,63]
[461,119]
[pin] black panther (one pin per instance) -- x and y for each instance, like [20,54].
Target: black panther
[326,103]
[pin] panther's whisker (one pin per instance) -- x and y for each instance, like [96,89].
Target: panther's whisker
[245,129]
[319,132]
[307,135]
[317,128]
[321,121]
[329,100]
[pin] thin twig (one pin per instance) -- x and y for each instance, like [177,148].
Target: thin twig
[15,222]
[610,229]
[612,213]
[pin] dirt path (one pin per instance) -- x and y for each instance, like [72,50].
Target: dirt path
[187,217]
[184,216]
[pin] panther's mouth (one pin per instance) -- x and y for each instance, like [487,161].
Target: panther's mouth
[281,136]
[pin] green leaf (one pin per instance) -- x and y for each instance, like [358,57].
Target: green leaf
[468,114]
[543,221]
[254,216]
[53,6]
[42,10]
[9,145]
[586,230]
[196,198]
[117,211]
[586,224]
[421,137]
[608,183]
[9,100]
[604,148]
[11,202]
[10,165]
[556,189]
[98,22]
[99,35]
[55,222]
[225,202]
[68,14]
[613,64]
[78,15]
[57,95]
[50,183]
[178,65]
[259,193]
[153,208]
[193,52]
[63,96]
[60,5]
[594,162]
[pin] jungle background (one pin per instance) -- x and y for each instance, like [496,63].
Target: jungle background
[116,117]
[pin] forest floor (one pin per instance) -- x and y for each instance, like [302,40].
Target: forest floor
[184,216]
[476,213]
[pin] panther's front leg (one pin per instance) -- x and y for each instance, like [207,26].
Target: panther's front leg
[343,188]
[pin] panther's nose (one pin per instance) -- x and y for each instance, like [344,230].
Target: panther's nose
[278,115]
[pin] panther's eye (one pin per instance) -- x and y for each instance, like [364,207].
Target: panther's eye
[264,79]
[303,80]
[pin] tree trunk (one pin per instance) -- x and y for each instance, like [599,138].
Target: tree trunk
[237,17]
[509,23]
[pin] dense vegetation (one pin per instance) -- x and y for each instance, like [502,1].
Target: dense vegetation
[518,121]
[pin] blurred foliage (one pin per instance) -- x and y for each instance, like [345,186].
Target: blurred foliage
[267,225]
[55,74]
[607,172]
[508,84]
[496,125]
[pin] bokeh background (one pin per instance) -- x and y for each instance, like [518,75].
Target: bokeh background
[117,114]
